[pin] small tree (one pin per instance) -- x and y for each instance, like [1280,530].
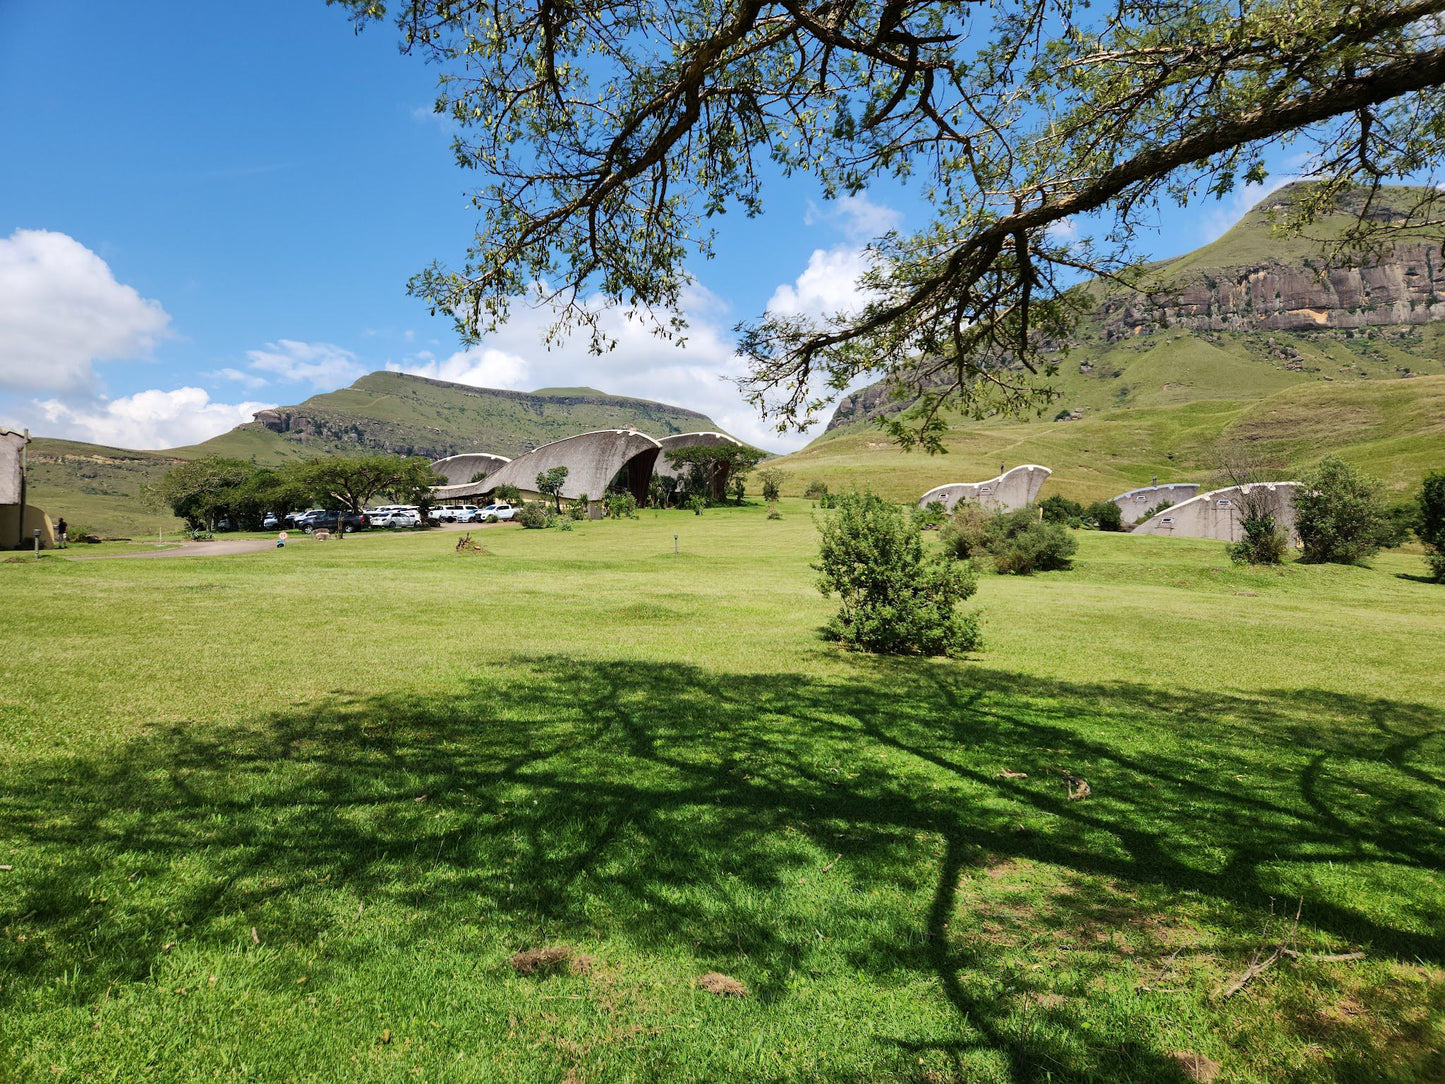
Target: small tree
[896,599]
[549,484]
[773,480]
[1338,514]
[1431,524]
[1105,515]
[204,490]
[352,481]
[509,493]
[1264,541]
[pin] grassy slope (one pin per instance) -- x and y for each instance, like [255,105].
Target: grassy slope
[1391,427]
[269,820]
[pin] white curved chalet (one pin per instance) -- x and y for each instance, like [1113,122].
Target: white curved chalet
[1011,490]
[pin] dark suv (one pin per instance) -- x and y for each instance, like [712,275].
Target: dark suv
[328,521]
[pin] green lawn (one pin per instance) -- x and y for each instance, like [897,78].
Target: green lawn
[286,816]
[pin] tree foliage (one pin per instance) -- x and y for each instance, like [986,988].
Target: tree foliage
[610,131]
[203,491]
[706,469]
[896,598]
[550,483]
[352,481]
[1338,514]
[1431,524]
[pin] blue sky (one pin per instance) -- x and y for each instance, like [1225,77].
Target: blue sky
[208,209]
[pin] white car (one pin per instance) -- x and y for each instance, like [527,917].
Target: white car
[396,517]
[456,513]
[500,510]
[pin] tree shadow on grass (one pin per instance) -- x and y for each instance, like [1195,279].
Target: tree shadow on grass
[660,803]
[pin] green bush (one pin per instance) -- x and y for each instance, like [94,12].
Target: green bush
[1338,514]
[896,599]
[1431,524]
[1057,509]
[621,505]
[816,490]
[773,512]
[932,515]
[1038,547]
[1264,541]
[534,515]
[578,509]
[967,532]
[1104,515]
[696,503]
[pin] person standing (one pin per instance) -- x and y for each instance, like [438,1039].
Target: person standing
[61,534]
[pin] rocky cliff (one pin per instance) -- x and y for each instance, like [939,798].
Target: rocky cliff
[1407,286]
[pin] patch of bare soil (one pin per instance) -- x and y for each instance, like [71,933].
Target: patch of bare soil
[722,985]
[542,961]
[1196,1066]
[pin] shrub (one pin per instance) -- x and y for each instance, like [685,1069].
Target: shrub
[696,503]
[828,500]
[932,515]
[816,490]
[510,494]
[1037,547]
[1105,515]
[967,532]
[1264,541]
[1338,514]
[578,509]
[772,480]
[621,505]
[896,599]
[1058,509]
[1431,524]
[773,512]
[534,515]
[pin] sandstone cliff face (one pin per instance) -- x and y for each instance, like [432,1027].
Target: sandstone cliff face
[1406,287]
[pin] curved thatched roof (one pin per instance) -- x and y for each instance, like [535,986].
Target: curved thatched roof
[592,461]
[12,446]
[460,469]
[1013,489]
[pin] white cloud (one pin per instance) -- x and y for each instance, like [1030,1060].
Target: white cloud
[480,366]
[147,419]
[247,380]
[828,285]
[322,365]
[859,218]
[61,310]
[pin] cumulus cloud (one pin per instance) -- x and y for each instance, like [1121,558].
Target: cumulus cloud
[322,365]
[828,285]
[480,366]
[858,217]
[147,419]
[62,310]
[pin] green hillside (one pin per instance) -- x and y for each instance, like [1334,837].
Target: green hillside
[412,415]
[1394,429]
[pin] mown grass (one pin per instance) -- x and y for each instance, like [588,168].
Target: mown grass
[285,816]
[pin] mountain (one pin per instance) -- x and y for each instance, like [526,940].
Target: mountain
[413,415]
[98,487]
[1256,337]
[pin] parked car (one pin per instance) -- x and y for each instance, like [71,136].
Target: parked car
[270,522]
[331,521]
[501,510]
[399,517]
[293,519]
[456,513]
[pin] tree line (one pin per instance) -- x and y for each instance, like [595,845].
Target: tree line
[206,491]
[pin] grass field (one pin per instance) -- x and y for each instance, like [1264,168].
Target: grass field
[287,816]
